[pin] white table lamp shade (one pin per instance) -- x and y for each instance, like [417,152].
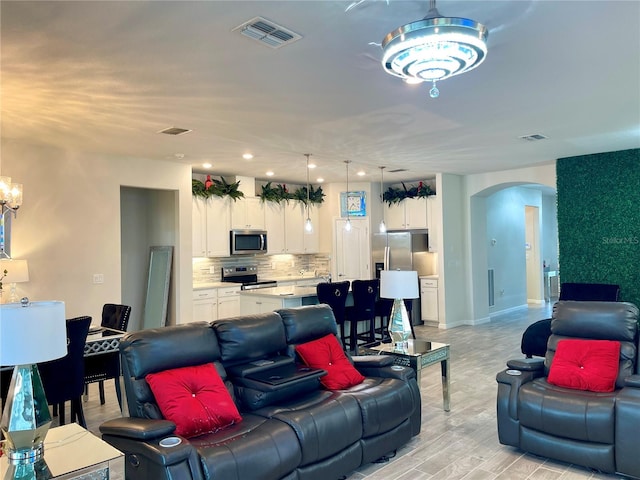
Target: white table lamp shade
[17,271]
[399,284]
[32,334]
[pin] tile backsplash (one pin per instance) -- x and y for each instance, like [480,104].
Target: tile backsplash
[269,266]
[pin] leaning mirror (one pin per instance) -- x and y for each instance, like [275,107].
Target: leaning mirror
[156,302]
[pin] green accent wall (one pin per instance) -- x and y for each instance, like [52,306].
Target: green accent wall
[599,220]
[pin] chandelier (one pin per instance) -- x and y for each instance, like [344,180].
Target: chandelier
[434,48]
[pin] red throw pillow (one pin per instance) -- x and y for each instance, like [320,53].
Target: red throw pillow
[194,398]
[326,353]
[586,365]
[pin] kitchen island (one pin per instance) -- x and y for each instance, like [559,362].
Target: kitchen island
[264,300]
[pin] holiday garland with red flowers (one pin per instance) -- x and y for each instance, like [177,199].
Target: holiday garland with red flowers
[277,194]
[396,194]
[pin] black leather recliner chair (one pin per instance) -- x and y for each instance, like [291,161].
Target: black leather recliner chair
[595,429]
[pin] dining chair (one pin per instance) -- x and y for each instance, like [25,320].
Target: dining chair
[335,295]
[365,293]
[99,368]
[63,378]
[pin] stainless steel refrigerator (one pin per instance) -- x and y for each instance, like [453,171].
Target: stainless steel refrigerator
[402,250]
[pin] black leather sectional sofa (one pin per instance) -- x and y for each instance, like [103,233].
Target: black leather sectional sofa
[292,428]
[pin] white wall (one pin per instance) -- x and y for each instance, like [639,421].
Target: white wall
[69,225]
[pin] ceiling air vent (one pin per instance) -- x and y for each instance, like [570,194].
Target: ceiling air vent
[397,170]
[174,131]
[534,137]
[267,33]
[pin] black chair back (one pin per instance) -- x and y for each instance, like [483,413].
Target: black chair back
[99,368]
[335,294]
[365,294]
[63,379]
[115,316]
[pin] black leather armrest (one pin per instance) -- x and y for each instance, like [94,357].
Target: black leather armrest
[138,428]
[526,364]
[632,381]
[372,361]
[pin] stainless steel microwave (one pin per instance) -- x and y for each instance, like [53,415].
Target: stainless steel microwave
[247,242]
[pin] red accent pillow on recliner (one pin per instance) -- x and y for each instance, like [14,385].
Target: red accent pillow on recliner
[326,353]
[194,398]
[586,365]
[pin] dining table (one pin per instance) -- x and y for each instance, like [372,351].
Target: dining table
[101,358]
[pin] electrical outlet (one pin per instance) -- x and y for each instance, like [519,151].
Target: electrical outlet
[273,265]
[212,269]
[98,278]
[502,293]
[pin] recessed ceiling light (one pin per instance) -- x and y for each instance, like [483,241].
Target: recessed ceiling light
[312,165]
[206,165]
[320,180]
[247,156]
[269,173]
[361,173]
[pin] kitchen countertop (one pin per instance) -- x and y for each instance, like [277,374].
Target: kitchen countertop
[286,278]
[280,292]
[204,286]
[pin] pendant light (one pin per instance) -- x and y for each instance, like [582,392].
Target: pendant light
[347,225]
[308,226]
[382,228]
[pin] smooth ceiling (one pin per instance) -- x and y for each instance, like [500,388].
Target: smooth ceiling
[105,77]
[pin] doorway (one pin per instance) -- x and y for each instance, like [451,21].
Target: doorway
[147,219]
[533,264]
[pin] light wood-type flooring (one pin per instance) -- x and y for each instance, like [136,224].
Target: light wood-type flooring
[462,443]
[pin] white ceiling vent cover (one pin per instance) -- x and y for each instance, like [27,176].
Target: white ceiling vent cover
[267,33]
[533,137]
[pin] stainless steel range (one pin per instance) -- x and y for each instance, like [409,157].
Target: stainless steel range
[247,276]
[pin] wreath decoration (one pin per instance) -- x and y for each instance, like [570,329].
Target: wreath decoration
[396,194]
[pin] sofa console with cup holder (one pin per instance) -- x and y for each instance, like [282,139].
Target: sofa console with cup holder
[260,397]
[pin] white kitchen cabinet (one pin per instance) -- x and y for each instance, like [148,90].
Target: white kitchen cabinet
[228,302]
[247,214]
[205,305]
[294,228]
[211,222]
[250,305]
[409,213]
[429,299]
[285,229]
[199,227]
[275,227]
[212,304]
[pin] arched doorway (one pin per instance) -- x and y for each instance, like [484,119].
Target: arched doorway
[513,230]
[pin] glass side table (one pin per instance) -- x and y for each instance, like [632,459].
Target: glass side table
[70,452]
[419,354]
